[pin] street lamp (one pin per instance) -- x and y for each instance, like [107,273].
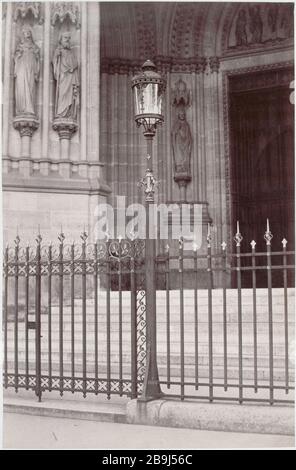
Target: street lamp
[148,89]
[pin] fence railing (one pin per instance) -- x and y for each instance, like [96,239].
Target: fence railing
[74,319]
[230,343]
[65,327]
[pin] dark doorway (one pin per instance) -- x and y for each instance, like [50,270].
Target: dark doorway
[262,163]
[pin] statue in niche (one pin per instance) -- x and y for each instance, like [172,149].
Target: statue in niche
[256,24]
[181,133]
[65,69]
[240,29]
[182,143]
[287,21]
[272,17]
[26,73]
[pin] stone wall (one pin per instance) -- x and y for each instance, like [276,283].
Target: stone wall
[198,45]
[51,165]
[202,45]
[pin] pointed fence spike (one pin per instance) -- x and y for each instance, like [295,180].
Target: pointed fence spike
[84,236]
[181,242]
[17,240]
[284,242]
[268,235]
[61,237]
[253,244]
[238,238]
[38,239]
[224,245]
[209,236]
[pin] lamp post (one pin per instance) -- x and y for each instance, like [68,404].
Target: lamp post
[148,89]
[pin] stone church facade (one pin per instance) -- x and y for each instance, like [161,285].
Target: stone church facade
[229,72]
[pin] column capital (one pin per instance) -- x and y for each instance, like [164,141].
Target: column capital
[26,125]
[65,127]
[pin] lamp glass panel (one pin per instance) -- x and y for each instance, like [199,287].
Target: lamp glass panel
[147,99]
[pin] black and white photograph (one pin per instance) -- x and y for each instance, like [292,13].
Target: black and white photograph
[148,228]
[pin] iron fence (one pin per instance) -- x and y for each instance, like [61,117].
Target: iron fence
[74,319]
[64,326]
[230,343]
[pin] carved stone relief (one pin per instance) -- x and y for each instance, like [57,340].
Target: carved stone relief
[260,25]
[146,30]
[163,64]
[60,11]
[22,10]
[214,64]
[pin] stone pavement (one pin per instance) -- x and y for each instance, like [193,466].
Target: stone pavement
[38,432]
[195,414]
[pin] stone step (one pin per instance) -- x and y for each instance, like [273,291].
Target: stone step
[189,296]
[189,359]
[188,302]
[218,372]
[203,348]
[262,311]
[203,330]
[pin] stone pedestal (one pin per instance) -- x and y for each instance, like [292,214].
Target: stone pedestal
[199,243]
[26,125]
[65,128]
[182,179]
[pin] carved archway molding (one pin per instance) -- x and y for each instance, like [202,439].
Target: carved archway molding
[174,30]
[226,129]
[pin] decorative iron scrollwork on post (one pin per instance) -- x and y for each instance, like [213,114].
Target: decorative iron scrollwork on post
[148,88]
[149,184]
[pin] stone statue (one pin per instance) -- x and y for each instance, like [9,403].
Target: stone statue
[256,24]
[240,29]
[26,73]
[287,21]
[272,16]
[65,68]
[182,143]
